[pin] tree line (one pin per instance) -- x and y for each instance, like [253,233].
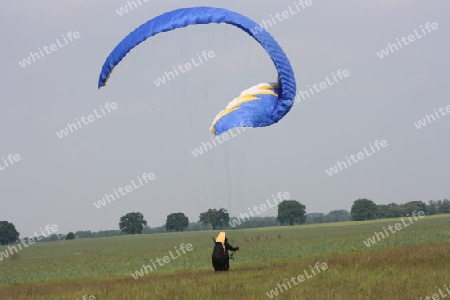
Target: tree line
[290,212]
[365,209]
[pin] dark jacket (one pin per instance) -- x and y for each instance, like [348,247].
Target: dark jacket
[220,256]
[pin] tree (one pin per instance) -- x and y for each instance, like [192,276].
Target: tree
[177,222]
[51,238]
[8,233]
[291,212]
[411,206]
[215,218]
[391,210]
[364,209]
[445,206]
[132,223]
[312,218]
[337,216]
[432,207]
[70,236]
[255,222]
[84,234]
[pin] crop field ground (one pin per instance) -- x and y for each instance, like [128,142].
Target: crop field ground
[411,263]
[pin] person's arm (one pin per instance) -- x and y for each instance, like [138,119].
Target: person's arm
[231,248]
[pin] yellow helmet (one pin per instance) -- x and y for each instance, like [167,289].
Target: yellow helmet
[221,238]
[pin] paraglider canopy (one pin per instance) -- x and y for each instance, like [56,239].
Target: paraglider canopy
[261,105]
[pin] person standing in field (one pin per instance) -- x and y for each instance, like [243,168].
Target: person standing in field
[220,256]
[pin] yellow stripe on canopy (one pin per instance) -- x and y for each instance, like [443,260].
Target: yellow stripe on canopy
[250,94]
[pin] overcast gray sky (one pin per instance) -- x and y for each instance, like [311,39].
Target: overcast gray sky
[154,129]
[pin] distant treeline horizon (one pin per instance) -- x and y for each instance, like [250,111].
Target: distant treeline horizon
[382,211]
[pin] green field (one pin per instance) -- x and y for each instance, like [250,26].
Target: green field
[411,263]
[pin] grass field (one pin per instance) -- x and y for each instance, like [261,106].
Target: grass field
[411,263]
